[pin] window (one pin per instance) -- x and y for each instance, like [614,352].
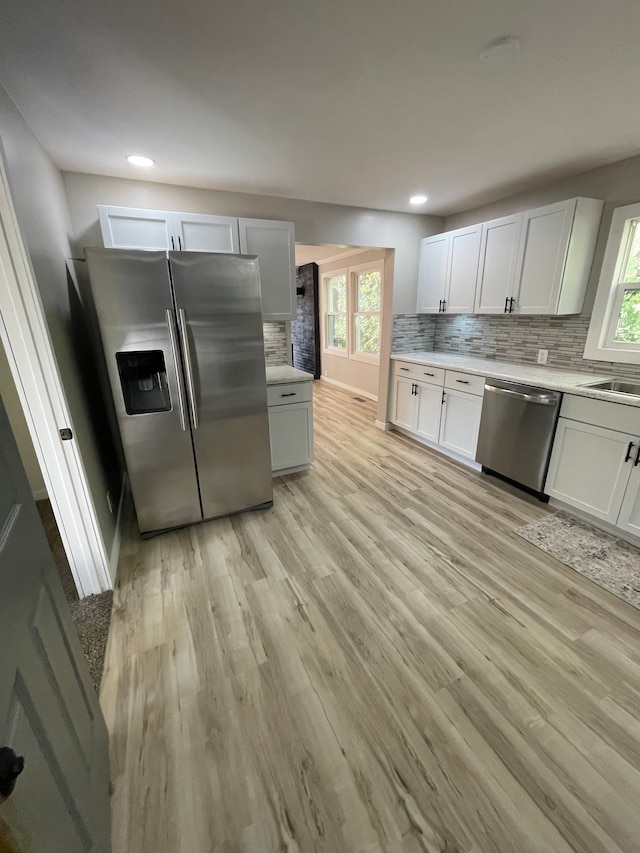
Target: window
[614,333]
[352,300]
[336,291]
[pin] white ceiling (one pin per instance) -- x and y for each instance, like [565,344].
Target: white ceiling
[359,102]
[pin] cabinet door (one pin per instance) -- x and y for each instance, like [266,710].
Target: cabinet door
[629,517]
[462,273]
[291,431]
[432,275]
[460,423]
[274,243]
[542,254]
[196,232]
[498,256]
[588,468]
[428,411]
[403,403]
[131,228]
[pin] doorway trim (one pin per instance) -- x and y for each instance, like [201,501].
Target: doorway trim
[29,350]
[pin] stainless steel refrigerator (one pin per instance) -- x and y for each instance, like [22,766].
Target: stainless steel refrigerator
[183,344]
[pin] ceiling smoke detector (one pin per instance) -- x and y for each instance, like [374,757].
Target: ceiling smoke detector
[500,49]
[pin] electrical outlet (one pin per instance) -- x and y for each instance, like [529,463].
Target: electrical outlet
[543,355]
[110,502]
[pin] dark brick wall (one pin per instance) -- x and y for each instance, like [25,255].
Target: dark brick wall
[305,331]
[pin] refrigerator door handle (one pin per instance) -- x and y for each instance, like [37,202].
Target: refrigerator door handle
[174,350]
[182,325]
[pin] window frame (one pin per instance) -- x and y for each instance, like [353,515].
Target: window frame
[600,344]
[327,348]
[354,271]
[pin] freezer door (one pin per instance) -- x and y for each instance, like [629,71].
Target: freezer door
[220,322]
[135,311]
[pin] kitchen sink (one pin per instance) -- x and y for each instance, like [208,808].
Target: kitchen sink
[618,386]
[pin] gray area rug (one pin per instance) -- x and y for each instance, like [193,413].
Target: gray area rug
[91,615]
[599,556]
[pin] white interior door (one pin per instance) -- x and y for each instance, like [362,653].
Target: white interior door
[133,228]
[200,232]
[498,256]
[403,403]
[432,274]
[462,275]
[429,409]
[541,258]
[460,422]
[590,468]
[49,712]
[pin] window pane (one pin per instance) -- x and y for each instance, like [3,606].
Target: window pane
[337,331]
[368,289]
[336,294]
[632,271]
[628,329]
[368,334]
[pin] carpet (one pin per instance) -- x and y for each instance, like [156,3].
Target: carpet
[91,615]
[603,558]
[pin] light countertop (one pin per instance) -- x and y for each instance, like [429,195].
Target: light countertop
[281,374]
[528,374]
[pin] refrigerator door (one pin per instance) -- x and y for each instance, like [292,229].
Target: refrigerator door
[135,311]
[220,323]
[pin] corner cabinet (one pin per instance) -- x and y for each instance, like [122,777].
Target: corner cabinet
[439,407]
[595,461]
[271,240]
[290,427]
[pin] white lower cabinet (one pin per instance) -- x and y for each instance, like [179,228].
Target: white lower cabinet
[437,411]
[596,469]
[460,422]
[290,428]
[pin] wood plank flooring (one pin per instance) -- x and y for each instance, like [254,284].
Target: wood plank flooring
[378,663]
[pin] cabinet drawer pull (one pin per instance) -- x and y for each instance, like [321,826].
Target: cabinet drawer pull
[463,381]
[429,374]
[628,453]
[637,459]
[290,394]
[405,368]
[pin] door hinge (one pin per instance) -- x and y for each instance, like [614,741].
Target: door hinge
[66,434]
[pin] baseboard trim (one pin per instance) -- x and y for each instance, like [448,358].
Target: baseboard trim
[41,495]
[605,526]
[117,539]
[295,470]
[457,457]
[351,388]
[385,425]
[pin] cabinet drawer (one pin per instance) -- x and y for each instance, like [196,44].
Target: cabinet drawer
[464,382]
[293,392]
[601,413]
[433,375]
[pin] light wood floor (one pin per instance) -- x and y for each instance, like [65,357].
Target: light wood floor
[378,663]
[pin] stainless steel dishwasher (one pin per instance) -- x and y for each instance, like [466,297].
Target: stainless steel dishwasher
[516,431]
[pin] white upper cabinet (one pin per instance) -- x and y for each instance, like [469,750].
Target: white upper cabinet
[272,241]
[462,270]
[274,244]
[432,275]
[449,272]
[200,232]
[554,257]
[498,257]
[130,228]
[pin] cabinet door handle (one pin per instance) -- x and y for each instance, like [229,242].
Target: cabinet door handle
[506,305]
[429,374]
[173,244]
[180,243]
[463,381]
[290,394]
[628,453]
[444,306]
[637,459]
[511,304]
[405,368]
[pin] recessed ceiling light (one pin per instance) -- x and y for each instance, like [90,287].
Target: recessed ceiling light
[417,199]
[137,160]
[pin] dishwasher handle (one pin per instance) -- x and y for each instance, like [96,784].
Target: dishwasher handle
[538,399]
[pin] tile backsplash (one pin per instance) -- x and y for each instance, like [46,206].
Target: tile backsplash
[516,339]
[275,343]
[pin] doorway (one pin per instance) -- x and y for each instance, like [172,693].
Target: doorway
[338,334]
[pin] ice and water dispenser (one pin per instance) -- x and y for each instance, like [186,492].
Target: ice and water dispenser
[143,377]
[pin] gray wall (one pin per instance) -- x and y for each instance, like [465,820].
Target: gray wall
[41,207]
[315,222]
[617,184]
